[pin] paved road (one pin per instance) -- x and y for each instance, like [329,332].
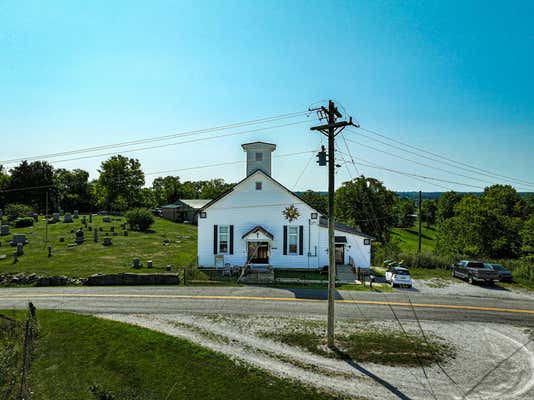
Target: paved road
[270,301]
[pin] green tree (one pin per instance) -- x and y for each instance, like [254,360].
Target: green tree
[405,212]
[365,203]
[527,236]
[476,230]
[4,183]
[120,183]
[29,184]
[167,189]
[503,199]
[446,204]
[73,189]
[213,188]
[429,209]
[317,200]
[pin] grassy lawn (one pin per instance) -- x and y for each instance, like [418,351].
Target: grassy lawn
[384,346]
[408,238]
[90,257]
[75,352]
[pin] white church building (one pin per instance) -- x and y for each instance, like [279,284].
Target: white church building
[259,222]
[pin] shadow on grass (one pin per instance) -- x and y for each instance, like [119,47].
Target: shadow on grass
[394,390]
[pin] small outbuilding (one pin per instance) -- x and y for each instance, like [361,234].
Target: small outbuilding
[183,210]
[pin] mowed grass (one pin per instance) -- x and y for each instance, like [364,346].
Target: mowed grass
[408,238]
[90,257]
[76,352]
[384,346]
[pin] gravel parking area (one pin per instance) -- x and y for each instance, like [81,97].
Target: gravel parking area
[457,287]
[489,361]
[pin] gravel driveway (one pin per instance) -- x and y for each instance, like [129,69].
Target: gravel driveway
[492,361]
[457,287]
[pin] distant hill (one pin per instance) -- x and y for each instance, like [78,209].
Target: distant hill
[425,195]
[437,195]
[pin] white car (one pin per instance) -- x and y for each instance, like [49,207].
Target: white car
[399,276]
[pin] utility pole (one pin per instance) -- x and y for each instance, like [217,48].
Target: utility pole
[419,215]
[331,130]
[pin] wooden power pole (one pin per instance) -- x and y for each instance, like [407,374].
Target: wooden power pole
[331,130]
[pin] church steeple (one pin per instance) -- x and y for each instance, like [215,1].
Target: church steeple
[259,156]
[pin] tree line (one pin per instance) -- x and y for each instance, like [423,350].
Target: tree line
[495,224]
[120,186]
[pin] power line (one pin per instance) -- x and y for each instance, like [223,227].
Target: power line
[182,142]
[167,171]
[372,165]
[159,138]
[224,163]
[425,165]
[448,161]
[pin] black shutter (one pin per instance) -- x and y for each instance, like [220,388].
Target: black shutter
[301,239]
[285,240]
[231,239]
[215,239]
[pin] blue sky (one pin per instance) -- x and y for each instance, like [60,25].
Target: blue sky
[453,77]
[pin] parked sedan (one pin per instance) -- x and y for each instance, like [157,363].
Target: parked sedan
[504,274]
[399,276]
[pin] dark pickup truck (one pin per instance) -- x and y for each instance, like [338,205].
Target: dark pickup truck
[474,271]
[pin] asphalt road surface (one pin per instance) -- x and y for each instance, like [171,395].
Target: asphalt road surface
[271,301]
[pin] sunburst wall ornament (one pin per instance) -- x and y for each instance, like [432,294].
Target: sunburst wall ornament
[291,213]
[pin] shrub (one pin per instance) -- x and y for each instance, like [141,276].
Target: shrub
[14,211]
[23,222]
[426,260]
[139,219]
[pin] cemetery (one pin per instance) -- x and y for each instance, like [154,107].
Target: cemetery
[73,245]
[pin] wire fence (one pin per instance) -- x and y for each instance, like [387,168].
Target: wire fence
[16,355]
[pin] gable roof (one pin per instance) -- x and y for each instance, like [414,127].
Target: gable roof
[259,228]
[244,179]
[323,223]
[188,203]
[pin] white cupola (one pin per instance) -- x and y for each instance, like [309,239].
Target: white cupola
[259,156]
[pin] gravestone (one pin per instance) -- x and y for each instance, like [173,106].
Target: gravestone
[61,239]
[67,218]
[80,238]
[4,230]
[106,219]
[136,263]
[55,218]
[75,216]
[84,220]
[19,238]
[49,251]
[61,212]
[20,249]
[35,217]
[149,264]
[101,229]
[89,228]
[112,229]
[125,233]
[95,236]
[107,241]
[90,218]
